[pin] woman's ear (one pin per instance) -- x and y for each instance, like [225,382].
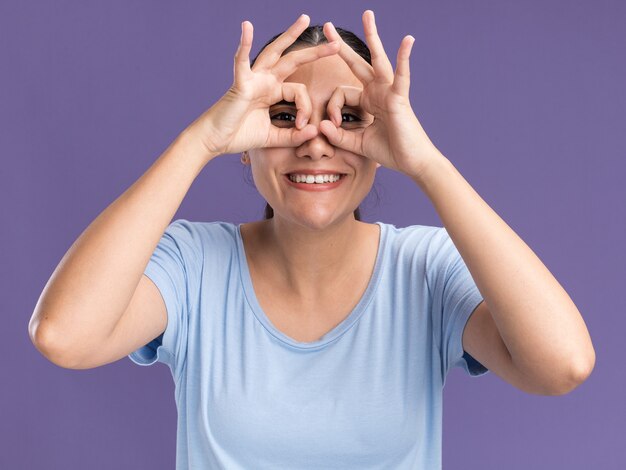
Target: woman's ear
[245,158]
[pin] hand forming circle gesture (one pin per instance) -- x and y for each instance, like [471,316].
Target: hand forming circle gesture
[395,139]
[240,119]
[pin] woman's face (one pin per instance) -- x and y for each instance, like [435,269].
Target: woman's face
[311,205]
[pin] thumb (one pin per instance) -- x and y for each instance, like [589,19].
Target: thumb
[350,141]
[290,137]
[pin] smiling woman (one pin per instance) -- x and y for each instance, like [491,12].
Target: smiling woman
[283,113]
[311,339]
[294,203]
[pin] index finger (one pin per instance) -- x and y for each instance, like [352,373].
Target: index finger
[270,55]
[380,61]
[291,61]
[292,137]
[358,65]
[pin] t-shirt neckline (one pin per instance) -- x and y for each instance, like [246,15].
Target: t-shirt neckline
[336,332]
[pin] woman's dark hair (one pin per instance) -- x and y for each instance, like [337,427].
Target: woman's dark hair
[310,37]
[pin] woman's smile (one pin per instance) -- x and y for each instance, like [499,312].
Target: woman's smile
[314,182]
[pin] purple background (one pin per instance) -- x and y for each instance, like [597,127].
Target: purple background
[527,100]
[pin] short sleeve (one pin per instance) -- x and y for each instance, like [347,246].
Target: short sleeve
[455,296]
[171,269]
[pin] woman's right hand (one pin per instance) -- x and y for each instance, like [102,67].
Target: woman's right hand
[240,120]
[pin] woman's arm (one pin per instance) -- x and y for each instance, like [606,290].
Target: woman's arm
[94,282]
[527,330]
[90,290]
[541,327]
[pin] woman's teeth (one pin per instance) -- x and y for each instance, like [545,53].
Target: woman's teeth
[310,179]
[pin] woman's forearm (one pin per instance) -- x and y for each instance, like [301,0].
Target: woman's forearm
[539,323]
[95,280]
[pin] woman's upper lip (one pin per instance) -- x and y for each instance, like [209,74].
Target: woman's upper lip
[315,172]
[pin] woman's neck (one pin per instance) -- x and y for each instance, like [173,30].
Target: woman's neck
[308,263]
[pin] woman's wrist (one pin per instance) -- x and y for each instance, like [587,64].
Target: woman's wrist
[431,172]
[197,148]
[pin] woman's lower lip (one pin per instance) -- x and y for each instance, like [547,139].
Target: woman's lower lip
[315,186]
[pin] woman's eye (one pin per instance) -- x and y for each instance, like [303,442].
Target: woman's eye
[288,117]
[281,116]
[351,117]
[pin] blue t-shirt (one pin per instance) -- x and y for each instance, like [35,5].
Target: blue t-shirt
[367,395]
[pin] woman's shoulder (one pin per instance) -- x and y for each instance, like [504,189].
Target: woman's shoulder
[414,243]
[411,247]
[201,233]
[410,233]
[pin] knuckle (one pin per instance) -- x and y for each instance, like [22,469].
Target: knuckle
[297,87]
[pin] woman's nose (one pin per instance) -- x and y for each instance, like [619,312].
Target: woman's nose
[318,146]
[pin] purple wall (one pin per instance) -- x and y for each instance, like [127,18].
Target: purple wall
[527,99]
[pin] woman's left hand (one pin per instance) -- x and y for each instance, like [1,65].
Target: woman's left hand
[395,139]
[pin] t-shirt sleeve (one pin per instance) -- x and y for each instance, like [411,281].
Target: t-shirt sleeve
[171,268]
[455,296]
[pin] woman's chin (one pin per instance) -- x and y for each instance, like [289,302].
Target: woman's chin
[318,219]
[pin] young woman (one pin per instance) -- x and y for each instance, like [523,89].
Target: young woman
[311,339]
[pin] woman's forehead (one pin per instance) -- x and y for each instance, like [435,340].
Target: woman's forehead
[324,73]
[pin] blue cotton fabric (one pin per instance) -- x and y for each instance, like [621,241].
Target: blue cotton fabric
[367,395]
